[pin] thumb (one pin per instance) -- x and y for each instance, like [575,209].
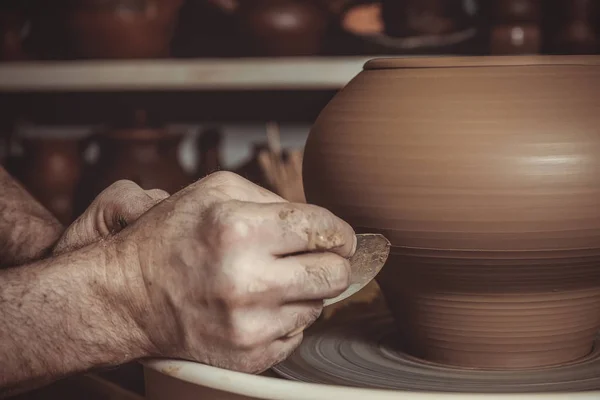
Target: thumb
[130,208]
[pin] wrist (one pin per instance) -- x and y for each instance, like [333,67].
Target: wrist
[119,287]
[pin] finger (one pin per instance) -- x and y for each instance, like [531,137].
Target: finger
[295,318]
[311,276]
[157,194]
[284,347]
[289,228]
[124,202]
[264,357]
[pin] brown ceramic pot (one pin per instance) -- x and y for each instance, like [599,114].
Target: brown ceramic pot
[485,175]
[283,27]
[146,156]
[122,28]
[50,170]
[423,17]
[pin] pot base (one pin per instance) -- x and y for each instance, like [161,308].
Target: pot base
[363,351]
[525,329]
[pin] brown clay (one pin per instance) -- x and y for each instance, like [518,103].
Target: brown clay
[123,28]
[484,174]
[283,27]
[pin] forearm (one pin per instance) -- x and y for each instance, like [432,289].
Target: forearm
[27,230]
[65,315]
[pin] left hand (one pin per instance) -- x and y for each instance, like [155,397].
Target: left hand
[116,207]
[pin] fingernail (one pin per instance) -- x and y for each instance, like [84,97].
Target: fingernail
[354,245]
[122,222]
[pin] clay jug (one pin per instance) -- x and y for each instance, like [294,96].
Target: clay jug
[209,152]
[282,27]
[50,170]
[122,28]
[423,17]
[146,156]
[484,173]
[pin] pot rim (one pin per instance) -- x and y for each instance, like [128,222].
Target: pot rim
[479,61]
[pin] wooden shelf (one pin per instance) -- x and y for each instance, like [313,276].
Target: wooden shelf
[317,73]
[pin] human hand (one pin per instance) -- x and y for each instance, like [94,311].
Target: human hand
[229,274]
[117,206]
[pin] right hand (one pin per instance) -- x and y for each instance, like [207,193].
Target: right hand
[229,274]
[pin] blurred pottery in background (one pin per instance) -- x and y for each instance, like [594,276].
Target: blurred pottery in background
[209,152]
[207,28]
[122,28]
[50,169]
[484,173]
[283,27]
[423,17]
[365,29]
[145,154]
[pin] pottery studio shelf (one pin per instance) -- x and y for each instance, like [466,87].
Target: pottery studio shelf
[234,90]
[318,73]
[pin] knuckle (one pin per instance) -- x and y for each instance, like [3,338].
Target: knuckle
[309,316]
[233,292]
[223,178]
[244,333]
[228,226]
[124,184]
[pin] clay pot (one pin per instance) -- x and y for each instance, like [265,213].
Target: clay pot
[50,170]
[484,173]
[122,28]
[209,151]
[146,156]
[362,31]
[283,27]
[423,17]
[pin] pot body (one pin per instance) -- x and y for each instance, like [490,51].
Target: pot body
[484,173]
[50,171]
[123,28]
[283,27]
[148,157]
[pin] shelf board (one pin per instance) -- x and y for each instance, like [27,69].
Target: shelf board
[315,73]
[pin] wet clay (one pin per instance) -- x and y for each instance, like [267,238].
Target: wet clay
[485,176]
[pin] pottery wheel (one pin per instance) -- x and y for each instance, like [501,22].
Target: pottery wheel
[362,353]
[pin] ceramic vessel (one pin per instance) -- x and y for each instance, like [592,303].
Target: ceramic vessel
[146,156]
[423,17]
[122,28]
[51,170]
[283,27]
[364,28]
[484,174]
